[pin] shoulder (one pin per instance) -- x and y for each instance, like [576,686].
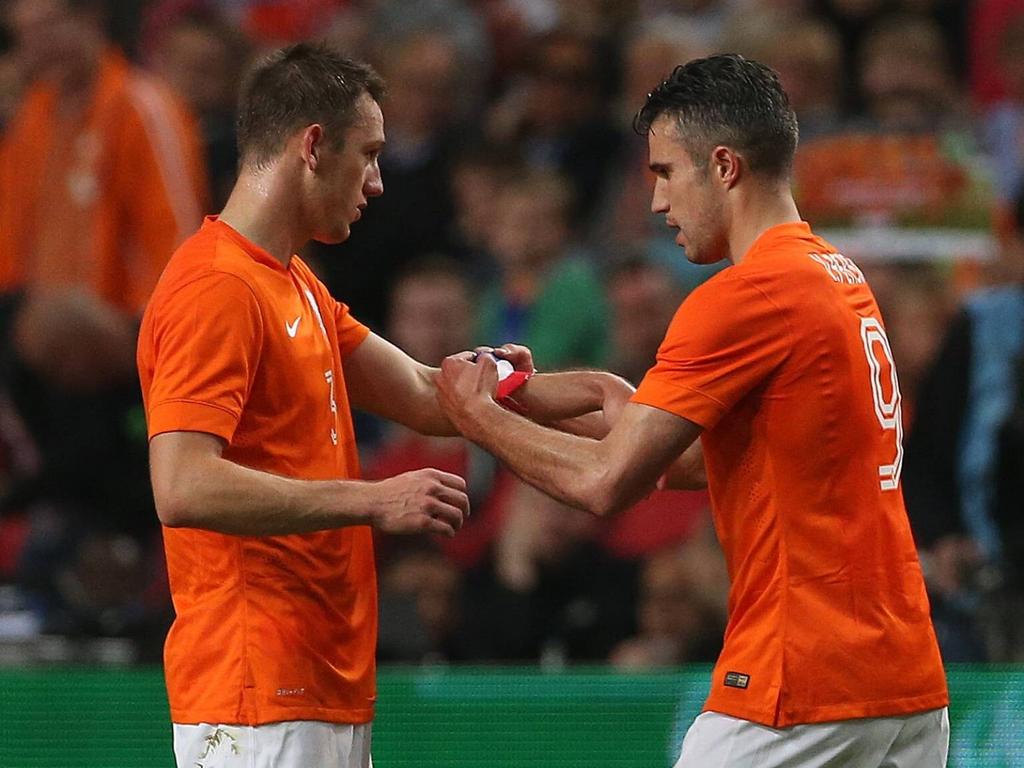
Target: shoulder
[797,269]
[205,261]
[750,300]
[736,282]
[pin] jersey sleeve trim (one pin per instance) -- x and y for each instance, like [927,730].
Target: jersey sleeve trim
[686,402]
[352,338]
[182,415]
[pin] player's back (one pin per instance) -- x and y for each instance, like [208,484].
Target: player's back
[828,613]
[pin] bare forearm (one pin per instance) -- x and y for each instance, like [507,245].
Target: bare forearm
[552,397]
[383,380]
[565,466]
[426,415]
[219,495]
[593,425]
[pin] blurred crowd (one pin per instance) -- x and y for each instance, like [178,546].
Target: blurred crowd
[516,207]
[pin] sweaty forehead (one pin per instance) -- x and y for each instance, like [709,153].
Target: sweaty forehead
[369,123]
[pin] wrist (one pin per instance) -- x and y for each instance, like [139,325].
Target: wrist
[358,502]
[476,414]
[510,386]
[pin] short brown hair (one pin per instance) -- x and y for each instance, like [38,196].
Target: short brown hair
[297,86]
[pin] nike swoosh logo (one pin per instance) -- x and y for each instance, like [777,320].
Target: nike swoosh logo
[293,326]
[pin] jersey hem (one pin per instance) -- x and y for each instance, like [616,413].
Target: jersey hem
[339,716]
[835,712]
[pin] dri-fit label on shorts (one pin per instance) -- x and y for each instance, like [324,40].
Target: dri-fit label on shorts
[737,680]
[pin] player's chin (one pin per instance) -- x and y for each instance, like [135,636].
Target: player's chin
[338,234]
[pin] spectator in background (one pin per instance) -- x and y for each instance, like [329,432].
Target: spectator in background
[1004,118]
[412,219]
[851,19]
[420,606]
[643,295]
[101,177]
[910,159]
[915,302]
[987,20]
[681,607]
[957,481]
[806,51]
[547,294]
[555,117]
[104,161]
[650,49]
[458,21]
[906,76]
[706,17]
[274,22]
[199,54]
[547,591]
[478,171]
[430,317]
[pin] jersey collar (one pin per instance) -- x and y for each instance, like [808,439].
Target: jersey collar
[258,254]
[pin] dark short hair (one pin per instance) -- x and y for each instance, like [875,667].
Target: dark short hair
[729,100]
[297,86]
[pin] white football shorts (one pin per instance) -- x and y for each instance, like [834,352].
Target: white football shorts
[293,744]
[920,740]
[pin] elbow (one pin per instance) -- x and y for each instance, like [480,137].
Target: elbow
[174,509]
[603,496]
[603,507]
[172,513]
[609,506]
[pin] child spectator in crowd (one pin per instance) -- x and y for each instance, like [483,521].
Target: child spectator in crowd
[547,293]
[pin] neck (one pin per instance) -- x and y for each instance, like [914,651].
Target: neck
[757,210]
[264,209]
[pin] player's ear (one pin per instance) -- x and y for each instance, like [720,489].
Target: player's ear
[726,165]
[312,145]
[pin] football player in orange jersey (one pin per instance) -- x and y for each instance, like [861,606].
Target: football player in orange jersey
[780,365]
[249,368]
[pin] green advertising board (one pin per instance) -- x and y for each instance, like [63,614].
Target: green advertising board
[458,717]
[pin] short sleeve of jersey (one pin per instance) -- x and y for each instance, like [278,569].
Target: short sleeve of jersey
[351,333]
[206,348]
[725,339]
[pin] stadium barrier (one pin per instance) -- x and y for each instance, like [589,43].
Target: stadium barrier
[458,717]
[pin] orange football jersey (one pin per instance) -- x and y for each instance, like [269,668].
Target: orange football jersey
[267,628]
[783,360]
